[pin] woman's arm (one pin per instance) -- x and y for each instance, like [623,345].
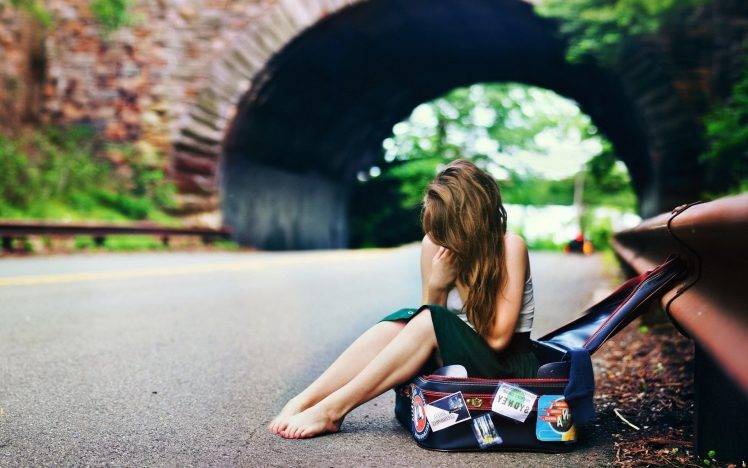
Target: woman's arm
[437,272]
[509,301]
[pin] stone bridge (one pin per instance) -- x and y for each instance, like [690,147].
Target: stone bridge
[268,109]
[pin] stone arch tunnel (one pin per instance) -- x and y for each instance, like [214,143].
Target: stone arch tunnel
[294,114]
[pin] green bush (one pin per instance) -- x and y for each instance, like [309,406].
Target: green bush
[111,14]
[59,172]
[599,233]
[15,175]
[130,206]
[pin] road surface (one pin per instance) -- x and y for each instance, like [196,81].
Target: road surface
[183,358]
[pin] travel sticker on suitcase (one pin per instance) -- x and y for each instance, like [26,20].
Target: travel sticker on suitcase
[447,411]
[554,423]
[418,412]
[513,402]
[485,432]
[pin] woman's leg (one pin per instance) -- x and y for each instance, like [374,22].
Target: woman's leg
[345,367]
[395,364]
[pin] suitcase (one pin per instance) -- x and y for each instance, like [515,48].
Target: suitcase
[449,413]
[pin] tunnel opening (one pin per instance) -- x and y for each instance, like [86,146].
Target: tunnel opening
[559,177]
[318,111]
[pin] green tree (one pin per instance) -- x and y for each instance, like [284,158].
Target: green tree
[494,125]
[596,27]
[607,181]
[726,160]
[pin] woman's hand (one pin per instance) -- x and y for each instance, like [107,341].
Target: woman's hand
[443,270]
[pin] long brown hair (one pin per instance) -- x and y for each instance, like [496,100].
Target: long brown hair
[462,211]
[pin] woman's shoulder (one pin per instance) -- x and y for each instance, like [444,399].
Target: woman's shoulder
[516,253]
[428,245]
[514,242]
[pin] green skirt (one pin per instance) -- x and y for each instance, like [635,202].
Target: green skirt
[460,344]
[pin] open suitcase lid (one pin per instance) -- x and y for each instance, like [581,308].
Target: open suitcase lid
[609,316]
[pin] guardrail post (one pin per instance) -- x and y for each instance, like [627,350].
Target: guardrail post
[721,412]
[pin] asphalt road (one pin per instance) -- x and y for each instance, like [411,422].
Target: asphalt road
[183,358]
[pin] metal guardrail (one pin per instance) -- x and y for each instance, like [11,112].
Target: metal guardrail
[10,230]
[711,306]
[714,309]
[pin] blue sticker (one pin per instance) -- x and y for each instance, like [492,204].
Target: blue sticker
[554,423]
[418,412]
[485,432]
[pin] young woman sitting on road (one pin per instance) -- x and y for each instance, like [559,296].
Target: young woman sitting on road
[478,309]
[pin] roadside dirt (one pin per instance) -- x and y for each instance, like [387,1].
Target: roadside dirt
[645,376]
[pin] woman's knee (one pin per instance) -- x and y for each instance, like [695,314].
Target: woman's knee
[390,327]
[423,322]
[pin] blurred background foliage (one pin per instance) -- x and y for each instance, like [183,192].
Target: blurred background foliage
[61,173]
[533,141]
[725,161]
[596,28]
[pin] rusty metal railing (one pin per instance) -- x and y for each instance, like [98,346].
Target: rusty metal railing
[713,236]
[10,230]
[711,306]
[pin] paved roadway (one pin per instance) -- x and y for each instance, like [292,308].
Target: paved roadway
[182,358]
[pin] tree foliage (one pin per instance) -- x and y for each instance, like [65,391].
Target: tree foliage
[497,126]
[59,172]
[597,27]
[111,14]
[726,160]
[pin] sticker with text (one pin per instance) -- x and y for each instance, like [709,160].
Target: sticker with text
[513,402]
[418,413]
[485,431]
[554,423]
[447,411]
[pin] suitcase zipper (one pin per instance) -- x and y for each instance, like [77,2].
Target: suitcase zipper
[442,378]
[475,401]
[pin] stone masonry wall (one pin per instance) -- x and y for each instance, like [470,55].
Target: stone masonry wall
[136,81]
[134,84]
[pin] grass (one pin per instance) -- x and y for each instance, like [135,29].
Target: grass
[132,243]
[545,244]
[66,174]
[120,243]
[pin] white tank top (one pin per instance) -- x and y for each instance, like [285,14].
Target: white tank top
[526,313]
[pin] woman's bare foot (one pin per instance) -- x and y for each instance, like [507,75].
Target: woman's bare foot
[293,407]
[311,422]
